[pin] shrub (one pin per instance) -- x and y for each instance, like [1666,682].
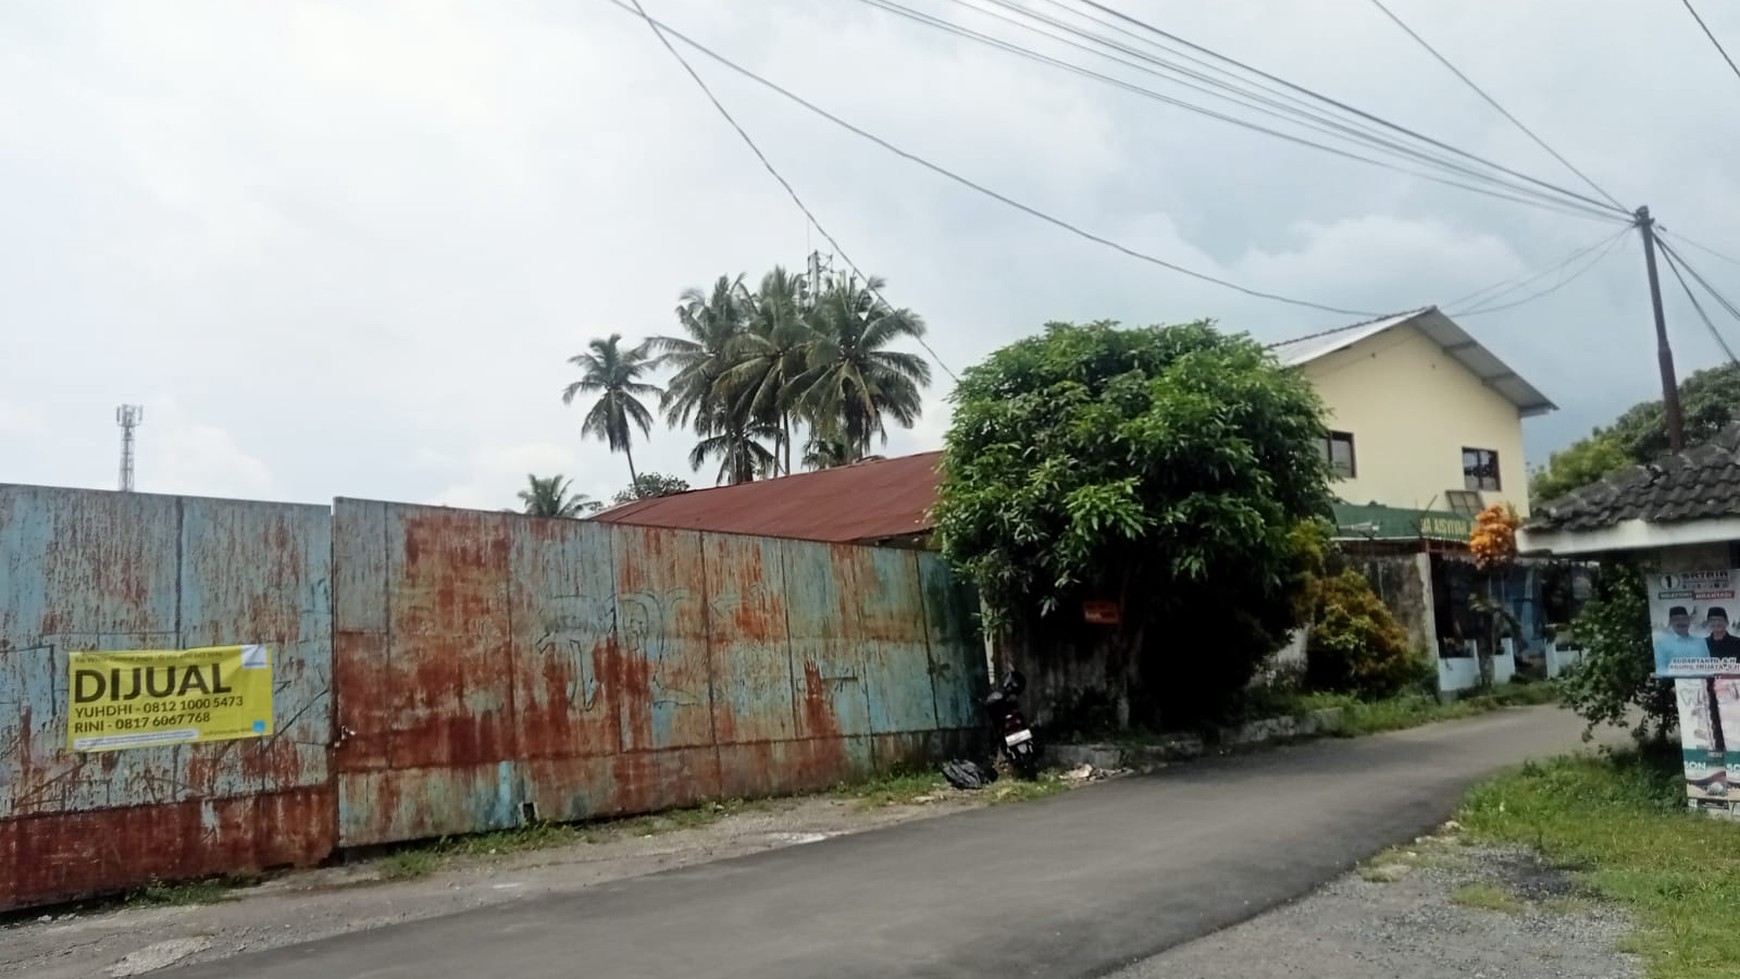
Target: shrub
[1356,645]
[1613,680]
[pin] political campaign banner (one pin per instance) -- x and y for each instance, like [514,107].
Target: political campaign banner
[144,698]
[1700,748]
[1690,626]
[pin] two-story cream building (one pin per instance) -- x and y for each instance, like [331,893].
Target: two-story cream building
[1426,429]
[1421,416]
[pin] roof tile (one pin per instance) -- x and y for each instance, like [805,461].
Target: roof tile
[1700,483]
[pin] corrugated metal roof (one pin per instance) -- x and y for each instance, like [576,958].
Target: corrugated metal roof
[875,500]
[1443,331]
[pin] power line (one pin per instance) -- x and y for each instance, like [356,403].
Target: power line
[1279,102]
[1271,107]
[1719,48]
[665,31]
[1494,102]
[1487,293]
[1345,107]
[1682,239]
[869,283]
[1481,310]
[1721,300]
[1673,267]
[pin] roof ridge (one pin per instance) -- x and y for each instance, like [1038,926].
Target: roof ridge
[1409,313]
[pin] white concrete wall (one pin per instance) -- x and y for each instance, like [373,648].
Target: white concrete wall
[1412,408]
[1457,673]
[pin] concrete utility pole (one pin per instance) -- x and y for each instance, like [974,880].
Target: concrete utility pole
[1670,390]
[129,417]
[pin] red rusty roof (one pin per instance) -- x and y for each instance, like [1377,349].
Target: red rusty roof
[861,502]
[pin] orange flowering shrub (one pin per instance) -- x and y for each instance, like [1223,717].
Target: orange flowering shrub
[1493,539]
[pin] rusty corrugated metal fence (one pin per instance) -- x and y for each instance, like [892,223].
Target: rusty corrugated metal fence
[447,671]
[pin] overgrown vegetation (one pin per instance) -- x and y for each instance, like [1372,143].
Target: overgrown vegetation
[1164,469]
[1709,399]
[1412,709]
[1356,645]
[1613,680]
[1622,820]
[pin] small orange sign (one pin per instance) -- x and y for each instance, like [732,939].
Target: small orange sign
[1100,613]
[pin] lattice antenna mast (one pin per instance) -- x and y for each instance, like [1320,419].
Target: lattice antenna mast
[129,417]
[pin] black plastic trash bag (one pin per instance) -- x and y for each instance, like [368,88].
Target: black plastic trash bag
[964,773]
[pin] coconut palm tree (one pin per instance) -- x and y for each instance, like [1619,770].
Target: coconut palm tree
[711,323]
[549,497]
[740,450]
[767,356]
[614,374]
[821,452]
[852,382]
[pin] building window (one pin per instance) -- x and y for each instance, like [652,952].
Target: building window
[1338,452]
[1479,469]
[1465,502]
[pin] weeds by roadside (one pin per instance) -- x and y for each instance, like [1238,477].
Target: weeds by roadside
[212,890]
[1487,897]
[1361,717]
[1621,819]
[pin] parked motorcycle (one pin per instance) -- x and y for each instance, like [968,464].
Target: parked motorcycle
[1011,727]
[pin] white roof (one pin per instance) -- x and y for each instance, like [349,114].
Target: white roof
[1443,331]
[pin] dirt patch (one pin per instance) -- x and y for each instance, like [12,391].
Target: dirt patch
[1430,909]
[331,901]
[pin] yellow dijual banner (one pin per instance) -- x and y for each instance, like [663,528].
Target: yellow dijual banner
[142,698]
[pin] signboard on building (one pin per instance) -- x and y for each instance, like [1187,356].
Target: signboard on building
[144,698]
[1100,613]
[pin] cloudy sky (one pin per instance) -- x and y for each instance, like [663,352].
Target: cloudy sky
[346,248]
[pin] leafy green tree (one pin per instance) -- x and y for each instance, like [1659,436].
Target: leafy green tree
[1612,684]
[1709,399]
[614,374]
[1165,468]
[852,382]
[549,496]
[1579,464]
[646,486]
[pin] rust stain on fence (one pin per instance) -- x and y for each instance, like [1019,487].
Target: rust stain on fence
[88,570]
[444,671]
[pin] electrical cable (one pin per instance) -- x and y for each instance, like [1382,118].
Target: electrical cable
[1668,260]
[1719,48]
[1311,120]
[1494,103]
[1536,199]
[1721,300]
[665,32]
[1144,25]
[1487,293]
[1682,239]
[869,283]
[1277,101]
[1481,310]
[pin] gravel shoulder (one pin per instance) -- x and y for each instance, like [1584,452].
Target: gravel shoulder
[1432,909]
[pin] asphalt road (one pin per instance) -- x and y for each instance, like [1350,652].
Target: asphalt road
[1076,885]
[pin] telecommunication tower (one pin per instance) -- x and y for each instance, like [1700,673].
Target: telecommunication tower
[128,417]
